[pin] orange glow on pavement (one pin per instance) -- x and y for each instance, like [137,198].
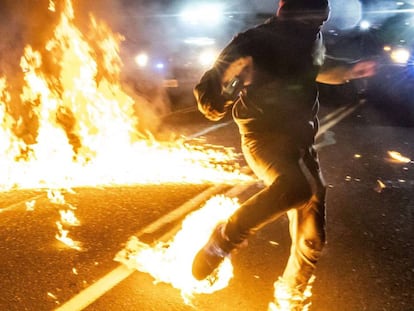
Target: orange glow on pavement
[397,157]
[170,262]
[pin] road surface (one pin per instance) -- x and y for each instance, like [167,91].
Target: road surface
[368,263]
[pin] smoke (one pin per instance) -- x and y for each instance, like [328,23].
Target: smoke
[21,22]
[344,14]
[142,24]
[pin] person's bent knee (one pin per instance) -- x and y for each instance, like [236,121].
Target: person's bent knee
[312,248]
[295,191]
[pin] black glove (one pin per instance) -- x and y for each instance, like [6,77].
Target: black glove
[233,88]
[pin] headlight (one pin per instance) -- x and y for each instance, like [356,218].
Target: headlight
[141,59]
[159,66]
[205,14]
[400,55]
[364,25]
[207,58]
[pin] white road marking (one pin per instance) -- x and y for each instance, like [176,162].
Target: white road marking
[120,273]
[209,129]
[20,204]
[326,126]
[111,279]
[97,289]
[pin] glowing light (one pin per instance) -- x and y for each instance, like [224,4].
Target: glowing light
[364,25]
[400,55]
[63,237]
[209,14]
[69,217]
[207,58]
[159,66]
[398,157]
[141,59]
[52,6]
[171,262]
[200,41]
[287,298]
[55,196]
[380,186]
[30,205]
[49,294]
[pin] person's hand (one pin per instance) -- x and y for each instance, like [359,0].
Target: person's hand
[242,68]
[362,69]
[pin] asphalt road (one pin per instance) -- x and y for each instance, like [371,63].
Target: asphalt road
[368,263]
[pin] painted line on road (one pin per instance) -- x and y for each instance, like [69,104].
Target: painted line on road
[209,129]
[120,273]
[346,112]
[20,204]
[333,114]
[328,121]
[182,210]
[231,193]
[97,289]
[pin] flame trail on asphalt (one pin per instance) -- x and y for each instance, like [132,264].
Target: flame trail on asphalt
[170,262]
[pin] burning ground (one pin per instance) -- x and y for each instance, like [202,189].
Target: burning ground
[67,119]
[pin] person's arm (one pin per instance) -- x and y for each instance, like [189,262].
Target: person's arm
[212,102]
[342,73]
[208,94]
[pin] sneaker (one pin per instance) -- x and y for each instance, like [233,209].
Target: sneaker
[289,299]
[212,254]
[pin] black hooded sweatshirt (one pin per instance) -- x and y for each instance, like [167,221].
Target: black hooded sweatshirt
[285,56]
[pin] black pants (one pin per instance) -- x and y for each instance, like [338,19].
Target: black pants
[294,185]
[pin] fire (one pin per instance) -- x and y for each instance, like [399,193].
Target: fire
[67,219]
[80,128]
[63,237]
[398,157]
[171,261]
[287,299]
[380,186]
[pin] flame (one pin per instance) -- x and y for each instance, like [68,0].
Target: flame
[80,127]
[52,6]
[63,237]
[55,196]
[30,205]
[398,157]
[67,219]
[171,262]
[287,298]
[380,186]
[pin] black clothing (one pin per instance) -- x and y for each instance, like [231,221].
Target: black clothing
[282,94]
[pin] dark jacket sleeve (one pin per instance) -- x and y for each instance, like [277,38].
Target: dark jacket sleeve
[209,91]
